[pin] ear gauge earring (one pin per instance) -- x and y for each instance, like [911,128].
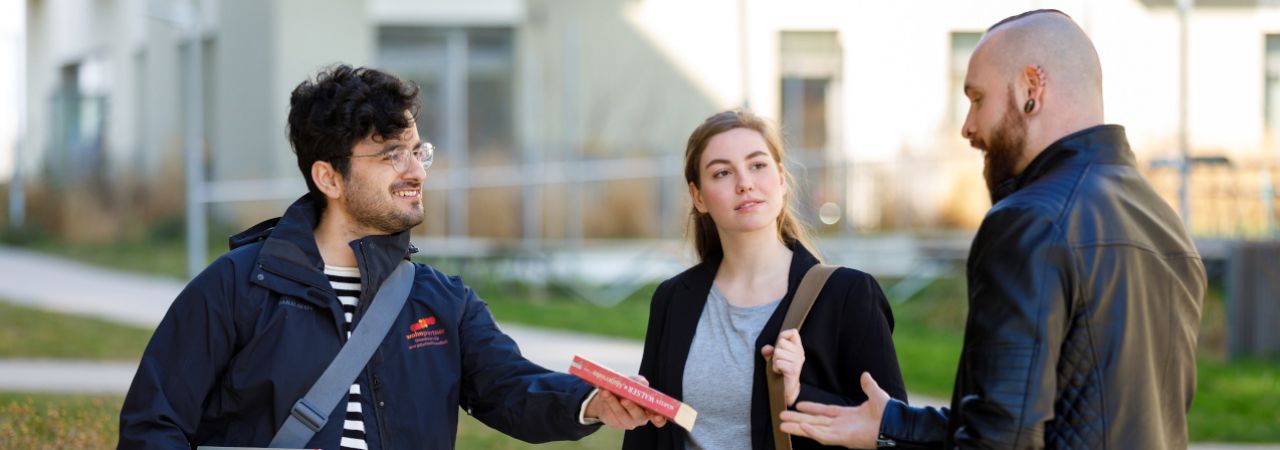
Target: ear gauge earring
[1031,104]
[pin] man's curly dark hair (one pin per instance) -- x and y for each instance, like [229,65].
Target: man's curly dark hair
[342,106]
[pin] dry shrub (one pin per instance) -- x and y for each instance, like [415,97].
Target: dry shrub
[58,422]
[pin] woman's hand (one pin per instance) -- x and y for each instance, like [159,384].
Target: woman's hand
[788,359]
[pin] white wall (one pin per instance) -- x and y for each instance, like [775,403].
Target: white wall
[896,63]
[896,88]
[445,12]
[12,29]
[647,72]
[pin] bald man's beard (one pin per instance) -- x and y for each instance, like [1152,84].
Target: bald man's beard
[1001,152]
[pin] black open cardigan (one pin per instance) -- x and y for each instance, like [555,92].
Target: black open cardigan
[848,331]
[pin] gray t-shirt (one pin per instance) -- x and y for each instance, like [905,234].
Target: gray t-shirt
[717,375]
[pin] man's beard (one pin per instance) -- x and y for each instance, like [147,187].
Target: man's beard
[1002,153]
[377,213]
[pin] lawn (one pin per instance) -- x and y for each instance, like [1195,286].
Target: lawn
[162,253]
[475,435]
[33,333]
[83,421]
[627,319]
[1235,402]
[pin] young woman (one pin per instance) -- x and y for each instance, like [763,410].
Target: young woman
[711,327]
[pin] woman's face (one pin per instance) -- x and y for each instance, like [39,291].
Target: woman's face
[741,185]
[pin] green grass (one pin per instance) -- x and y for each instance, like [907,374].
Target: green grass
[928,335]
[1236,402]
[33,333]
[160,251]
[476,435]
[626,320]
[928,360]
[163,257]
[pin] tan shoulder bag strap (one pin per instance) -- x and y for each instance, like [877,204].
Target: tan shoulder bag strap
[806,294]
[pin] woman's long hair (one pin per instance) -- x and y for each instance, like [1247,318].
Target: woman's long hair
[706,239]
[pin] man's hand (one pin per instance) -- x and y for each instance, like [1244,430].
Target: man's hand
[622,413]
[788,359]
[853,427]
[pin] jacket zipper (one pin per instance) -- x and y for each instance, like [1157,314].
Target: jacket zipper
[376,396]
[374,384]
[376,403]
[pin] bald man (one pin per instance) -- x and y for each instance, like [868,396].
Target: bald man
[1085,290]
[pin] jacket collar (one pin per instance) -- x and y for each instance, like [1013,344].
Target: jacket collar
[702,275]
[290,249]
[687,304]
[1102,144]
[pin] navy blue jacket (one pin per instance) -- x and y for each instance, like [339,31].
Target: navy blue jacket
[250,334]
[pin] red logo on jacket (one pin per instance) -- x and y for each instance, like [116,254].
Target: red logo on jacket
[425,333]
[423,323]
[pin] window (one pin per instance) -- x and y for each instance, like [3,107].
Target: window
[1271,112]
[206,100]
[79,119]
[962,45]
[490,113]
[810,68]
[466,77]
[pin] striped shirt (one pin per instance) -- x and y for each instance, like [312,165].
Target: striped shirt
[346,283]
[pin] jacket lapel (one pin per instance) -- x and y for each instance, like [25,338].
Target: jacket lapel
[690,298]
[687,302]
[761,425]
[686,307]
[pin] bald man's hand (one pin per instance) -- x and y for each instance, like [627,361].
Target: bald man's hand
[853,427]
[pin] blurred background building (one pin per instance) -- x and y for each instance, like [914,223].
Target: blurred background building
[560,120]
[129,128]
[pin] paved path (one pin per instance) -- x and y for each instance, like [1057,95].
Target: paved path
[59,284]
[142,300]
[66,376]
[550,348]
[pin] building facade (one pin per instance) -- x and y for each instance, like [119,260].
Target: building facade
[567,119]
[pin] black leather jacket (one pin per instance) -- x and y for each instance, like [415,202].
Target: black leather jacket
[1085,294]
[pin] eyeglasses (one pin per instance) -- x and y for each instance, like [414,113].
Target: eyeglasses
[400,157]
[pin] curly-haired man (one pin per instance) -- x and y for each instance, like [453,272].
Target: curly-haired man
[250,335]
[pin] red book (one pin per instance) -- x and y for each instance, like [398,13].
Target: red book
[625,387]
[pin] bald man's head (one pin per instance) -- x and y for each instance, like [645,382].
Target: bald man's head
[1050,39]
[1033,79]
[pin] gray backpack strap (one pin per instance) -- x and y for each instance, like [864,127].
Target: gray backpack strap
[312,411]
